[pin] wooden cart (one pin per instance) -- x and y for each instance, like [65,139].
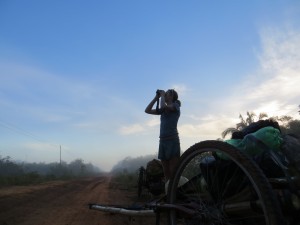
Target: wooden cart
[224,186]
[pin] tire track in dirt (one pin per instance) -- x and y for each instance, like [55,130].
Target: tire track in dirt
[65,203]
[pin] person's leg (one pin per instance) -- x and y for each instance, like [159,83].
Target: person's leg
[166,167]
[169,153]
[172,164]
[169,167]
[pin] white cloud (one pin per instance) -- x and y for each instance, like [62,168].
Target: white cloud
[153,122]
[273,88]
[180,89]
[206,129]
[280,50]
[131,129]
[278,86]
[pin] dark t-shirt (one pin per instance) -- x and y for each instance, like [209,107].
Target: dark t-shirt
[168,122]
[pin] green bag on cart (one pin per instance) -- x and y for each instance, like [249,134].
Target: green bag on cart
[270,136]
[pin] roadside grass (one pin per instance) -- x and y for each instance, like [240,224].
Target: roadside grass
[29,179]
[25,179]
[125,180]
[129,183]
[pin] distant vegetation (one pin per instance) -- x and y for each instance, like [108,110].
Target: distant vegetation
[13,173]
[131,165]
[126,171]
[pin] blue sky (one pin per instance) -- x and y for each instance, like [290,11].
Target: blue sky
[79,74]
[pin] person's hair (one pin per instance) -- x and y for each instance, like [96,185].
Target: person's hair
[175,96]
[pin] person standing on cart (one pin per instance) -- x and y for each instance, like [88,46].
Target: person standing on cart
[168,107]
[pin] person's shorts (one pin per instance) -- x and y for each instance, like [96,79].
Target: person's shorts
[168,149]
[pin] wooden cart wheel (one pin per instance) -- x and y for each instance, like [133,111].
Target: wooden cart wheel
[224,187]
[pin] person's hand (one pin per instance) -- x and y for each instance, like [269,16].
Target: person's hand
[157,96]
[162,93]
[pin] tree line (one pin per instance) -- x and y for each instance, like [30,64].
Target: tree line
[13,173]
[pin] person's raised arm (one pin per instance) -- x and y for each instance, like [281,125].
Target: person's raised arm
[159,94]
[149,109]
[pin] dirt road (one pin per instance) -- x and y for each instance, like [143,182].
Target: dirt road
[65,203]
